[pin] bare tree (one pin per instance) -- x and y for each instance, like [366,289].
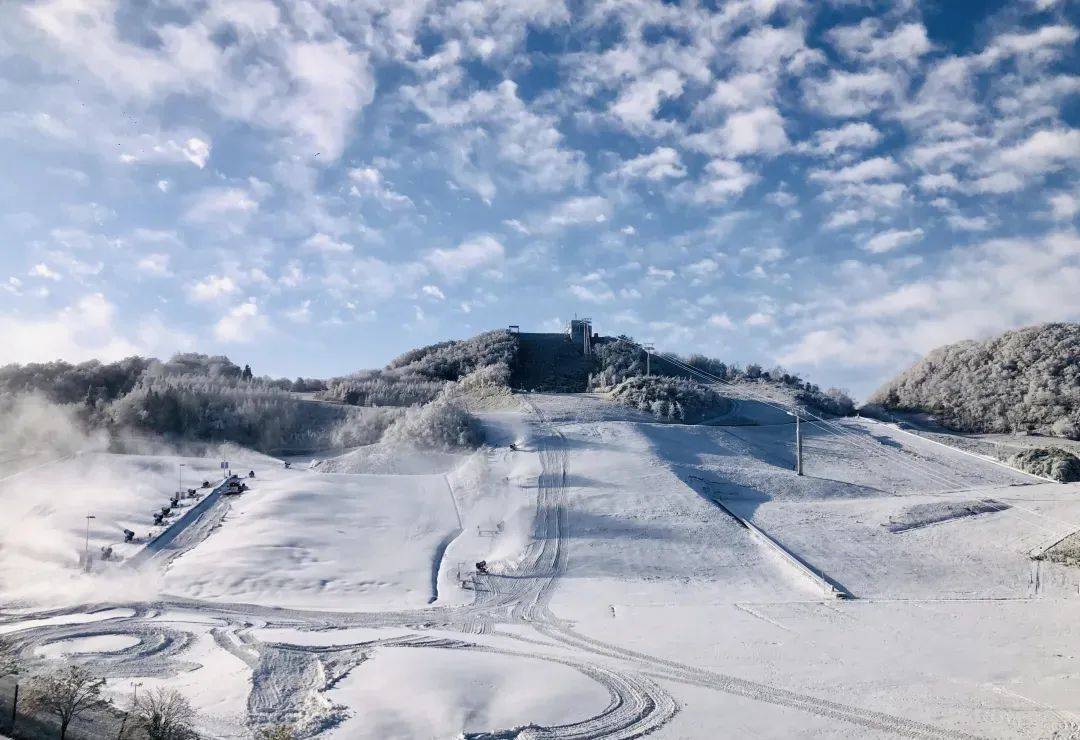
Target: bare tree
[165,715]
[67,694]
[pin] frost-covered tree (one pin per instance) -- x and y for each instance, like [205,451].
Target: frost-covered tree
[67,694]
[441,424]
[1023,380]
[418,376]
[674,399]
[164,714]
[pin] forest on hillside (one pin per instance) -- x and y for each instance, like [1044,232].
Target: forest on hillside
[1027,380]
[421,397]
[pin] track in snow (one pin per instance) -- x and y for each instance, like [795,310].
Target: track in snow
[289,681]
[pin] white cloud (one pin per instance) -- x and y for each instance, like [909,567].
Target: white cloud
[757,131]
[213,287]
[1064,206]
[82,331]
[243,323]
[271,75]
[870,41]
[596,292]
[979,290]
[325,244]
[892,239]
[578,211]
[703,268]
[662,163]
[434,292]
[300,314]
[759,318]
[41,270]
[720,321]
[639,100]
[877,168]
[472,254]
[850,136]
[217,204]
[722,181]
[369,182]
[1043,152]
[196,151]
[849,94]
[155,263]
[959,222]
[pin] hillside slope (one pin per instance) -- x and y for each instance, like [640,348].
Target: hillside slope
[1022,380]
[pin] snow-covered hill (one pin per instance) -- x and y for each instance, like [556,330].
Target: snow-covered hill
[639,578]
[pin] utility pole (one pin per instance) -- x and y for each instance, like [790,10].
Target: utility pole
[181,479]
[134,698]
[649,349]
[798,445]
[86,546]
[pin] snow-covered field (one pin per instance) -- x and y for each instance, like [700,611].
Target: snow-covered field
[625,595]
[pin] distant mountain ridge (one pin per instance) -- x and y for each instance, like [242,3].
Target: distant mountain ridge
[1022,380]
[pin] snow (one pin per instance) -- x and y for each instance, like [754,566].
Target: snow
[307,540]
[625,596]
[94,644]
[462,690]
[62,619]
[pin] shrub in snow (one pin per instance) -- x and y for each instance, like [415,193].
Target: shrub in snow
[833,401]
[379,388]
[441,424]
[418,376]
[455,359]
[1023,380]
[1049,462]
[364,428]
[675,399]
[213,409]
[615,362]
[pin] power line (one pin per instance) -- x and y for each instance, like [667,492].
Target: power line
[837,430]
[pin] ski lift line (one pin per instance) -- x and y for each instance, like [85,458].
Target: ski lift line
[835,430]
[902,460]
[828,427]
[855,439]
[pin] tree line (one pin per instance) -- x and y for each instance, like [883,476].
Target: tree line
[1027,380]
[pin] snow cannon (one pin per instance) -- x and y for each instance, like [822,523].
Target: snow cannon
[481,567]
[158,518]
[128,535]
[251,474]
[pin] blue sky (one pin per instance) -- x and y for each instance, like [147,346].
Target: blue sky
[315,186]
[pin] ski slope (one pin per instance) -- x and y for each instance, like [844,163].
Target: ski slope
[624,596]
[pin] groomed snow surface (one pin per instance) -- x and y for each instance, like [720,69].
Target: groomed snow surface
[625,593]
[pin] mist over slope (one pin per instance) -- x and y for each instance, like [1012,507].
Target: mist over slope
[1022,380]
